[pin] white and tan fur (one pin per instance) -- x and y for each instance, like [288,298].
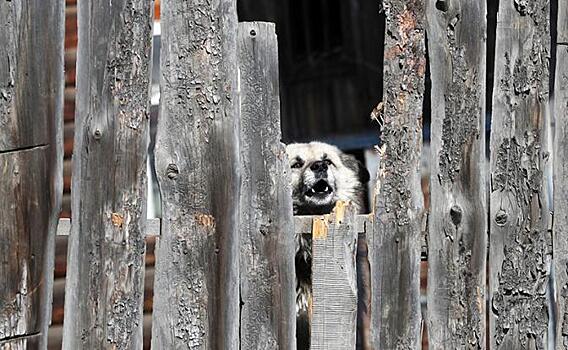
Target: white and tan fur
[321,175]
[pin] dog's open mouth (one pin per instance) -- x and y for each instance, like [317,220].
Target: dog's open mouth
[320,188]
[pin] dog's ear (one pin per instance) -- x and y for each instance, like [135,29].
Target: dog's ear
[352,163]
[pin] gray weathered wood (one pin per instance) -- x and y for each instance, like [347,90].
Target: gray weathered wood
[31,155]
[152,227]
[560,230]
[395,244]
[197,165]
[334,280]
[267,274]
[520,244]
[105,276]
[457,235]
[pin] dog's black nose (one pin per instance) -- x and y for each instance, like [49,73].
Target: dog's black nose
[319,166]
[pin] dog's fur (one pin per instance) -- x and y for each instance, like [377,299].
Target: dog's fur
[321,175]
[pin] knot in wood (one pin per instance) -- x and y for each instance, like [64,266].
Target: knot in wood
[456,214]
[442,5]
[172,171]
[501,218]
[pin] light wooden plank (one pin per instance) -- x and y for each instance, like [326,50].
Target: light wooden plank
[520,244]
[395,239]
[31,155]
[457,235]
[334,280]
[105,275]
[560,229]
[198,168]
[267,277]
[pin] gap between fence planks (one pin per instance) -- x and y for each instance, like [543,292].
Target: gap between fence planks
[105,277]
[520,243]
[457,235]
[560,228]
[31,166]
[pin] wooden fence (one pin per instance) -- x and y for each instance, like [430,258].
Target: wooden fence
[225,251]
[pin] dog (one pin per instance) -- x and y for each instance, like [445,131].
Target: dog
[321,175]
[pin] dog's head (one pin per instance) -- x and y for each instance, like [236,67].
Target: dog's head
[322,175]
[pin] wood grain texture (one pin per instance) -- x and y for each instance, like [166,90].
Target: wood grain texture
[457,235]
[520,244]
[334,281]
[31,158]
[105,276]
[560,230]
[394,243]
[267,274]
[197,164]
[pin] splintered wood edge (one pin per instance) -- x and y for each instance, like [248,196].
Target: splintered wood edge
[302,224]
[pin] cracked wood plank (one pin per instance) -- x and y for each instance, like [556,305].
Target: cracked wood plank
[267,277]
[197,165]
[105,277]
[457,235]
[520,244]
[31,166]
[560,229]
[395,233]
[334,280]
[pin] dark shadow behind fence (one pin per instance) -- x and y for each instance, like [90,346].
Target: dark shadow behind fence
[224,273]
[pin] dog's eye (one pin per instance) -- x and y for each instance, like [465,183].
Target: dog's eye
[297,165]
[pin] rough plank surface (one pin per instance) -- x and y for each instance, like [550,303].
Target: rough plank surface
[520,244]
[197,164]
[334,280]
[31,165]
[560,230]
[394,243]
[105,277]
[457,235]
[267,274]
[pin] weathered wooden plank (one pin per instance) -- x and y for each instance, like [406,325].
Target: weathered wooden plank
[520,244]
[457,235]
[394,243]
[334,280]
[267,273]
[31,154]
[105,276]
[197,164]
[560,229]
[152,227]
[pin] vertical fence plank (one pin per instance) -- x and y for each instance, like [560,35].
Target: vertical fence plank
[267,275]
[457,236]
[560,232]
[334,280]
[520,244]
[105,277]
[394,244]
[31,166]
[197,164]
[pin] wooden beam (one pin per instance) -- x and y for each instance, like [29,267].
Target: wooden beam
[31,155]
[457,236]
[267,245]
[105,271]
[520,243]
[395,232]
[334,276]
[198,168]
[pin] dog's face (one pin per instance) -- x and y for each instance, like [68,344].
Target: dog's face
[322,175]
